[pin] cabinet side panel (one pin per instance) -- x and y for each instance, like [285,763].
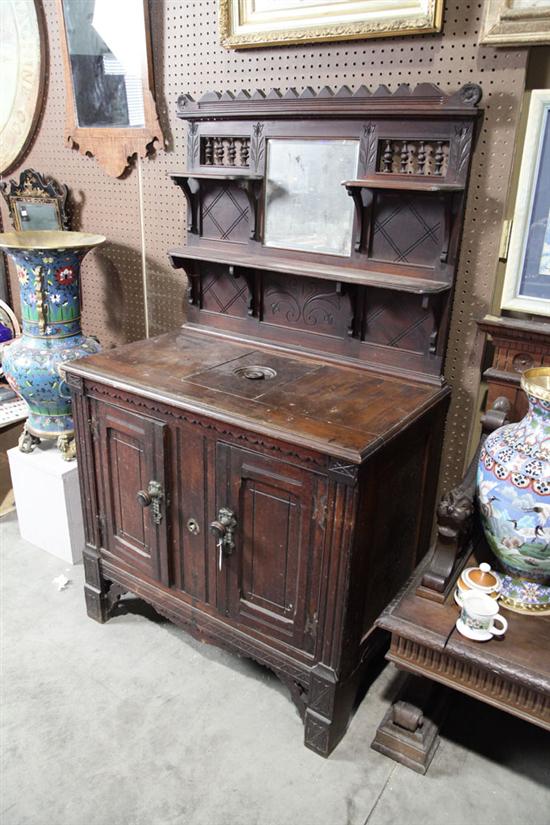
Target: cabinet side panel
[85,455]
[396,513]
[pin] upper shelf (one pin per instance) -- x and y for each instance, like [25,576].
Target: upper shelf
[425,100]
[402,184]
[223,174]
[326,272]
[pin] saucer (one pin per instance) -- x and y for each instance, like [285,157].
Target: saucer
[476,635]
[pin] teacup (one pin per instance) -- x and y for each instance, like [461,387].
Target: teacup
[480,619]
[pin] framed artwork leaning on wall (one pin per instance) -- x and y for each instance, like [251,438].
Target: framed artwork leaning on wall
[516,23]
[527,278]
[253,23]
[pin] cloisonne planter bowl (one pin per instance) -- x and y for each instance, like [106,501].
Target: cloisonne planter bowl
[514,498]
[48,271]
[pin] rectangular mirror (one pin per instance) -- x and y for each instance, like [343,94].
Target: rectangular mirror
[35,215]
[306,206]
[107,54]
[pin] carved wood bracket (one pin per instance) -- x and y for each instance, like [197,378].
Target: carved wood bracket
[457,521]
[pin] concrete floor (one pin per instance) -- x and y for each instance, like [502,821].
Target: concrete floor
[135,723]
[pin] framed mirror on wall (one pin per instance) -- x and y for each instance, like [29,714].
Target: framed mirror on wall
[36,202]
[23,62]
[527,278]
[111,111]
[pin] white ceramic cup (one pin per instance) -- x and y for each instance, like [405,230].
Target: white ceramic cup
[480,615]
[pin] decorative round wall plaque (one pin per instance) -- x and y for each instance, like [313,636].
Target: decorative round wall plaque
[23,71]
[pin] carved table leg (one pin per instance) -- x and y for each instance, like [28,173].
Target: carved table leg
[328,711]
[409,731]
[101,594]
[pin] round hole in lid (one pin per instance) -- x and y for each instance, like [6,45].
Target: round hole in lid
[255,372]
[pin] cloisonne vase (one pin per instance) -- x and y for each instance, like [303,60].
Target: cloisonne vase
[48,270]
[514,498]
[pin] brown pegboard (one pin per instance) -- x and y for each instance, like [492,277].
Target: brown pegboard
[188,58]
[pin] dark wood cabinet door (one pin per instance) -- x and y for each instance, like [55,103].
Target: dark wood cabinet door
[270,582]
[132,450]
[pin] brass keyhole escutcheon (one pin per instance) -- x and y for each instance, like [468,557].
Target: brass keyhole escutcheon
[193,526]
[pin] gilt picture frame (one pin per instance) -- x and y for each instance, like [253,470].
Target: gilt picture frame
[527,277]
[515,23]
[257,23]
[110,108]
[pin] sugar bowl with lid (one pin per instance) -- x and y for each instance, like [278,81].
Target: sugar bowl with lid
[479,580]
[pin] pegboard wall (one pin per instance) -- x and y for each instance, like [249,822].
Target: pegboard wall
[188,58]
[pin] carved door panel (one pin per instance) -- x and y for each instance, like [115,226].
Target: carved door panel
[132,451]
[269,580]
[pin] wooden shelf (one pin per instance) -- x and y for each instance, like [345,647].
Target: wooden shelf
[327,272]
[403,183]
[233,174]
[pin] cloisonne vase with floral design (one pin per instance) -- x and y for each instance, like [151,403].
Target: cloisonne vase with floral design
[48,270]
[514,498]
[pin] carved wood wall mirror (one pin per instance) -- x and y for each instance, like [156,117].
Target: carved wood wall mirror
[111,111]
[516,22]
[24,53]
[36,202]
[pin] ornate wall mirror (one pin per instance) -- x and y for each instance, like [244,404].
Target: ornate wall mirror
[23,75]
[111,110]
[36,202]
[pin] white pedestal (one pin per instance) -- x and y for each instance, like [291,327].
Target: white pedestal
[47,498]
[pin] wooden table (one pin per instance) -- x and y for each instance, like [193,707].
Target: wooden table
[512,672]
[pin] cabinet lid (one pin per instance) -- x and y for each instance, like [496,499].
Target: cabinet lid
[339,411]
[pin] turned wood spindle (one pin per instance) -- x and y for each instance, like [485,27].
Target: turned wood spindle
[245,151]
[404,157]
[438,158]
[421,158]
[388,156]
[219,151]
[231,152]
[208,152]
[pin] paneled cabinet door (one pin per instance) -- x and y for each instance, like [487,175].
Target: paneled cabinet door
[132,450]
[269,579]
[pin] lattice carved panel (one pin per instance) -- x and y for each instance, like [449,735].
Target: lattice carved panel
[225,293]
[189,58]
[225,214]
[398,320]
[407,230]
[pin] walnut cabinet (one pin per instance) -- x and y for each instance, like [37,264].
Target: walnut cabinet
[265,476]
[320,536]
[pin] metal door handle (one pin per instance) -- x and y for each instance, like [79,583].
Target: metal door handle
[223,529]
[152,497]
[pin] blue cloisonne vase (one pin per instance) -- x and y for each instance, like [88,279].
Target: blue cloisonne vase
[48,270]
[514,498]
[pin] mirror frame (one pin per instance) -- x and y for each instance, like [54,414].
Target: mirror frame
[113,147]
[34,188]
[25,116]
